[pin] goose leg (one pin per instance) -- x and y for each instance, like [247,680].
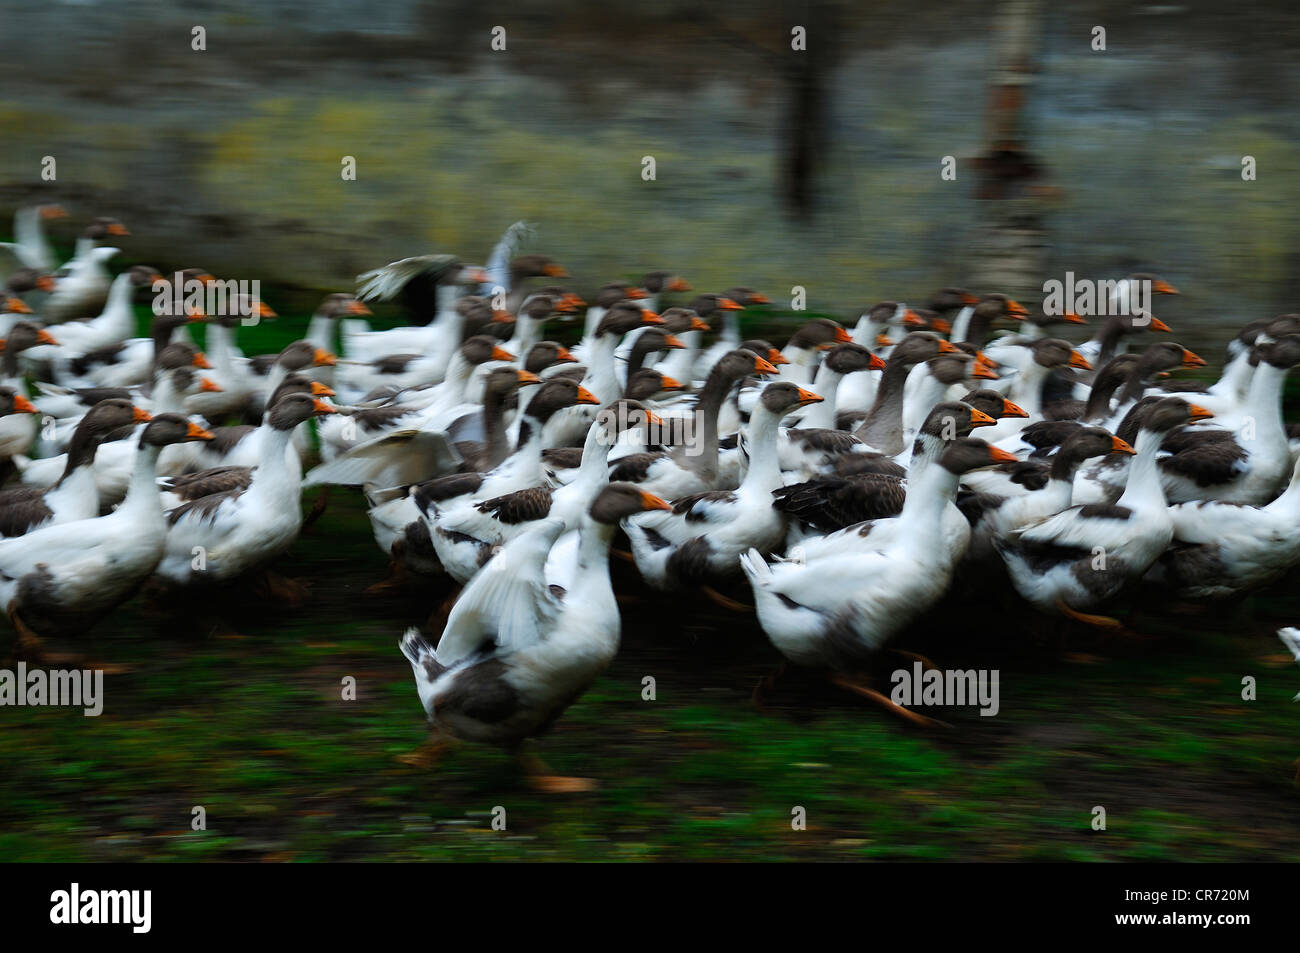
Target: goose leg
[30,647]
[765,686]
[1100,621]
[429,752]
[858,688]
[396,579]
[726,602]
[541,779]
[317,508]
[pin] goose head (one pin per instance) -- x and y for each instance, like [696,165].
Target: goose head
[480,349]
[738,364]
[610,294]
[618,501]
[623,317]
[501,382]
[103,228]
[23,280]
[746,297]
[341,305]
[292,409]
[993,404]
[535,266]
[546,354]
[12,402]
[1050,353]
[706,305]
[304,354]
[949,299]
[297,384]
[1088,442]
[971,453]
[923,319]
[657,282]
[556,394]
[782,397]
[181,355]
[166,429]
[622,415]
[25,335]
[819,334]
[953,419]
[850,358]
[681,320]
[648,382]
[1282,352]
[764,350]
[110,419]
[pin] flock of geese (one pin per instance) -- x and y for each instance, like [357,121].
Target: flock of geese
[838,486]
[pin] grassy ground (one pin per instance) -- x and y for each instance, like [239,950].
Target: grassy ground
[236,706]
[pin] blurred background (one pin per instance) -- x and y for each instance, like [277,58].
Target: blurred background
[774,168]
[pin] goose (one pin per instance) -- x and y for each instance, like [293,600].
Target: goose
[834,613]
[852,508]
[931,382]
[515,653]
[974,321]
[234,386]
[645,342]
[30,248]
[17,432]
[727,309]
[61,579]
[323,326]
[803,351]
[1246,465]
[126,363]
[444,502]
[1084,556]
[658,283]
[480,529]
[700,539]
[218,536]
[536,310]
[815,443]
[431,288]
[1052,485]
[12,310]
[1046,356]
[115,324]
[693,466]
[1004,346]
[297,357]
[1113,335]
[81,285]
[606,296]
[401,432]
[74,496]
[877,329]
[686,326]
[1225,549]
[882,429]
[241,446]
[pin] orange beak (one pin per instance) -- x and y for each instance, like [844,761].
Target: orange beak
[757,298]
[1013,410]
[324,358]
[651,502]
[53,211]
[502,317]
[763,367]
[635,294]
[527,377]
[1197,412]
[323,408]
[501,354]
[980,419]
[200,361]
[668,383]
[1158,325]
[1072,318]
[24,406]
[947,347]
[726,304]
[320,390]
[563,354]
[883,340]
[698,324]
[555,271]
[649,317]
[117,228]
[877,363]
[1120,446]
[45,283]
[573,301]
[45,337]
[983,372]
[679,285]
[1079,361]
[264,310]
[842,336]
[913,320]
[1192,360]
[671,340]
[982,358]
[1016,309]
[586,397]
[776,357]
[1163,287]
[941,325]
[194,432]
[17,306]
[207,385]
[969,299]
[998,455]
[807,397]
[194,315]
[357,307]
[140,415]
